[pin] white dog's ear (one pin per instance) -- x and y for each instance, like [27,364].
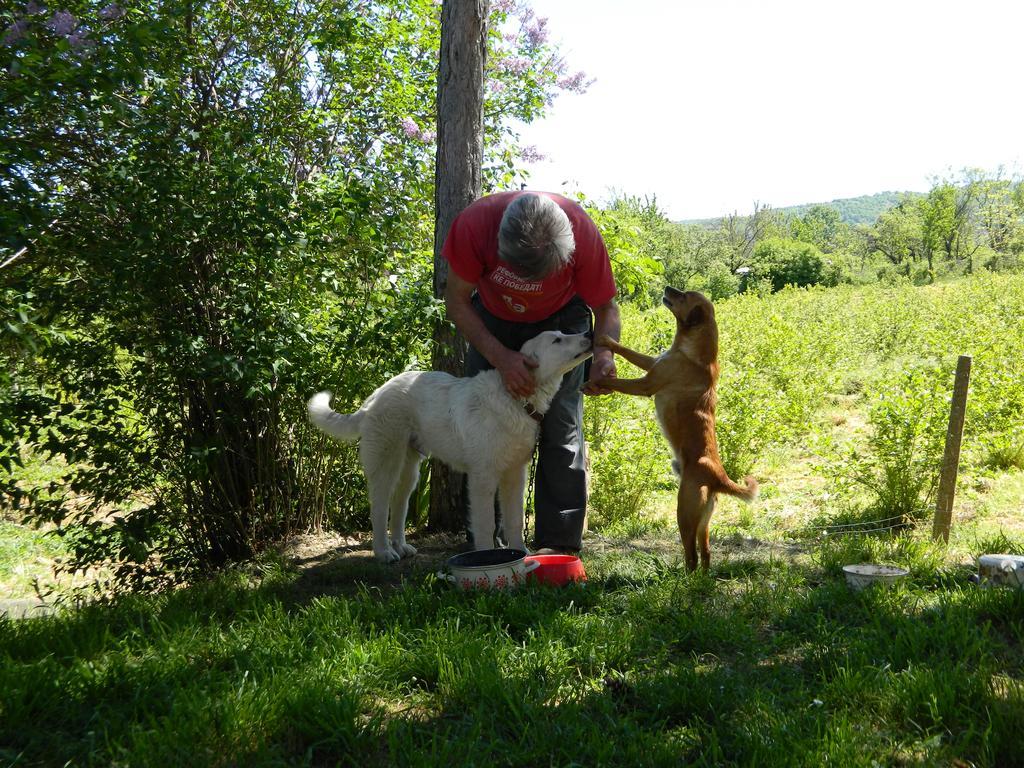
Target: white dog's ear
[532,361]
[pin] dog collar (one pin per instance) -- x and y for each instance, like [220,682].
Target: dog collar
[532,412]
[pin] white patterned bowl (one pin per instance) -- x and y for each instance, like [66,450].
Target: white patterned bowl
[488,569]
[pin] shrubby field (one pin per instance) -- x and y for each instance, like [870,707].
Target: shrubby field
[879,355]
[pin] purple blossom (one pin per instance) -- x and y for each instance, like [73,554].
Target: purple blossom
[530,154]
[15,32]
[577,83]
[516,66]
[503,6]
[495,86]
[411,129]
[537,33]
[78,40]
[428,136]
[62,23]
[32,8]
[111,12]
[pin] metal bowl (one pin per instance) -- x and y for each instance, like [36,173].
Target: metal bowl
[488,569]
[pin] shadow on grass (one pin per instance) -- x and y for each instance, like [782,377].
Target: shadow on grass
[762,661]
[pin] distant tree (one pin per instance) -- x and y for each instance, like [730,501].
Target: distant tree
[701,251]
[897,234]
[1001,216]
[821,226]
[742,233]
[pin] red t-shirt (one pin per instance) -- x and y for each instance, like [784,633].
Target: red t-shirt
[471,249]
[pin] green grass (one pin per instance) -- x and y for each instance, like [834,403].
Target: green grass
[766,661]
[26,555]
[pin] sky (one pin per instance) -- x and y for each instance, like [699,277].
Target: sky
[713,105]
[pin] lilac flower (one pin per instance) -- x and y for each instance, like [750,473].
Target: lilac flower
[78,40]
[503,6]
[32,8]
[428,136]
[411,129]
[577,83]
[15,32]
[537,33]
[62,23]
[530,154]
[111,12]
[516,66]
[495,86]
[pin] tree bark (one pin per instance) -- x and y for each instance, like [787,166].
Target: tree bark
[460,116]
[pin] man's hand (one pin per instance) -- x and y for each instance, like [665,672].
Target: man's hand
[602,367]
[515,370]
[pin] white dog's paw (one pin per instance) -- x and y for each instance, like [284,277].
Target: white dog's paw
[386,555]
[403,549]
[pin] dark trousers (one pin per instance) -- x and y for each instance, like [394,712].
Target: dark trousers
[560,485]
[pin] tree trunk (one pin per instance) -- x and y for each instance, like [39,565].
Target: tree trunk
[460,119]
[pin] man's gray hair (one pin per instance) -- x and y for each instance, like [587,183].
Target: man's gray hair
[535,237]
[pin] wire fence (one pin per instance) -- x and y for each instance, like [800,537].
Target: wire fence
[862,526]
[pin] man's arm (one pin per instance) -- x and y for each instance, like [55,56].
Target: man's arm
[606,323]
[513,366]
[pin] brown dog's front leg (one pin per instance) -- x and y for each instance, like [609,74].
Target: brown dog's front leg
[644,387]
[644,362]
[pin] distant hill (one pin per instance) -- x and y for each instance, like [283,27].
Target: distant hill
[853,210]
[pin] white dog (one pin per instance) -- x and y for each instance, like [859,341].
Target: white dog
[472,424]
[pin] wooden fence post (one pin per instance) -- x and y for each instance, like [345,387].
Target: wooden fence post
[951,456]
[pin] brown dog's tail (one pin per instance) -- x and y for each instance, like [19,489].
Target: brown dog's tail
[745,493]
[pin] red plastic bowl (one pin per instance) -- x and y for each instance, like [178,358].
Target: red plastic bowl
[556,569]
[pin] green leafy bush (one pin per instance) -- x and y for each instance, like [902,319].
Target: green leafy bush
[790,262]
[900,468]
[240,206]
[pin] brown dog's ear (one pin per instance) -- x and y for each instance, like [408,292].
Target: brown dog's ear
[695,317]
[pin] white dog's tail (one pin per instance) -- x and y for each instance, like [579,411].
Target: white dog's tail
[340,426]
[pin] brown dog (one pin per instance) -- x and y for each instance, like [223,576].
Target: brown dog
[682,381]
